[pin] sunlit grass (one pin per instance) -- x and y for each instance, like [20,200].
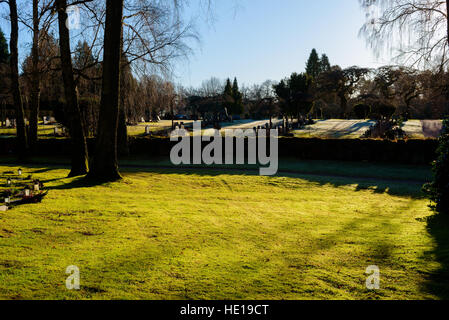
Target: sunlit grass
[209,234]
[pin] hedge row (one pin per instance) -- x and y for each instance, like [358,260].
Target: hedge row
[405,152]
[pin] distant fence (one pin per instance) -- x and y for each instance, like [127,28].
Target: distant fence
[405,152]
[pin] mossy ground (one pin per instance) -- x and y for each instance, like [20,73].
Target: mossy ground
[222,234]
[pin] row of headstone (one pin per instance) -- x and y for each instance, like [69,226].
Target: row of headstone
[49,120]
[143,120]
[59,131]
[8,123]
[280,129]
[179,125]
[11,123]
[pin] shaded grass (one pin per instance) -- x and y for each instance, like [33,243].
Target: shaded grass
[165,234]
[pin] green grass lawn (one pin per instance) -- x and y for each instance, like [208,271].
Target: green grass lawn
[221,234]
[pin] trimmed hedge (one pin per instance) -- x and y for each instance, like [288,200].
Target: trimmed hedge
[403,151]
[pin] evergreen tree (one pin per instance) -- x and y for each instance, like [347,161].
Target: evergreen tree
[324,63]
[228,97]
[438,190]
[4,52]
[313,65]
[238,99]
[300,97]
[228,89]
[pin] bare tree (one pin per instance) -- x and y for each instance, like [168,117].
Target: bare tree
[15,87]
[212,87]
[77,133]
[105,164]
[39,21]
[418,30]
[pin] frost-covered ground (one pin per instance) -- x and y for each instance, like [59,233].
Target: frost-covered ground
[352,129]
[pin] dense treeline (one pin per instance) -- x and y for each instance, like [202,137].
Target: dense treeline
[324,91]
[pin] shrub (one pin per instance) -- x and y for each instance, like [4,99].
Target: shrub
[361,110]
[386,110]
[386,129]
[438,190]
[382,110]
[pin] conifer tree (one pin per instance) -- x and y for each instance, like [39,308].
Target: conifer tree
[313,64]
[324,63]
[237,97]
[228,97]
[228,89]
[4,52]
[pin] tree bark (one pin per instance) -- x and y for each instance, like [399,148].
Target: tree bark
[122,129]
[105,164]
[77,133]
[22,142]
[35,83]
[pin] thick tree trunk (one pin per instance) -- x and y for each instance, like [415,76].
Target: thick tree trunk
[122,129]
[105,165]
[35,83]
[79,146]
[22,143]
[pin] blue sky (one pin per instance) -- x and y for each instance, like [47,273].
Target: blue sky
[270,39]
[257,40]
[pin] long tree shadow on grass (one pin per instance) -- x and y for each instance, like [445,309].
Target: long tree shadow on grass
[77,183]
[403,188]
[438,282]
[362,180]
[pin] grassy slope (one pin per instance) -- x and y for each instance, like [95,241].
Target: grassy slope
[168,234]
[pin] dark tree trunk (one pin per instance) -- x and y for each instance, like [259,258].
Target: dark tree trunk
[79,146]
[35,85]
[122,129]
[22,143]
[343,104]
[105,165]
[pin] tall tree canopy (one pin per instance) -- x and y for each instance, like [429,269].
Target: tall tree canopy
[316,65]
[313,64]
[237,96]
